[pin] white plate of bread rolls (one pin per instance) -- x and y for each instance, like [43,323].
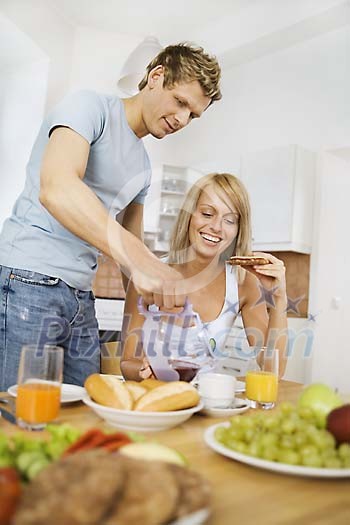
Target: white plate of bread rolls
[146,406]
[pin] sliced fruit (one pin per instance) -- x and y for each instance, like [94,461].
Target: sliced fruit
[153,452]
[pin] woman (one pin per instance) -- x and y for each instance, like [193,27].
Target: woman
[213,224]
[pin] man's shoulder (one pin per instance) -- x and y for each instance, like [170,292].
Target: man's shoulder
[90,97]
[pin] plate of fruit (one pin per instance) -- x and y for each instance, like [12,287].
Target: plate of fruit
[293,439]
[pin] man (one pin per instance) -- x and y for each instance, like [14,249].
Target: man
[89,167]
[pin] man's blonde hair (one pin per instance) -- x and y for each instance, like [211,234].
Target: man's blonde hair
[237,194]
[185,62]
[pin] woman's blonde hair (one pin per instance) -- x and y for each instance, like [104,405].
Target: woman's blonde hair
[235,191]
[185,62]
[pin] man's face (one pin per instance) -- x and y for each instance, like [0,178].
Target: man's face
[167,110]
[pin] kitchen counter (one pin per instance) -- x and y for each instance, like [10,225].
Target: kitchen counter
[241,494]
[109,314]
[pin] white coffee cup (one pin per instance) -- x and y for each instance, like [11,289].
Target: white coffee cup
[216,390]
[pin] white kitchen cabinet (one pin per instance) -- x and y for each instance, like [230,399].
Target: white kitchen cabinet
[280,183]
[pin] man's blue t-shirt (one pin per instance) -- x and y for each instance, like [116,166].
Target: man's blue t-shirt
[118,171]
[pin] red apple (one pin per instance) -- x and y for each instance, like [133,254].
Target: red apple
[338,423]
[10,489]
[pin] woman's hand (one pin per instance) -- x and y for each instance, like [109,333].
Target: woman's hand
[272,276]
[145,370]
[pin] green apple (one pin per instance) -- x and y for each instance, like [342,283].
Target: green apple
[321,399]
[153,452]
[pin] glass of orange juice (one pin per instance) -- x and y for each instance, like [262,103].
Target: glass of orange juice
[39,386]
[262,382]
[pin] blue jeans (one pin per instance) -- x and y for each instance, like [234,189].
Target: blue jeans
[39,309]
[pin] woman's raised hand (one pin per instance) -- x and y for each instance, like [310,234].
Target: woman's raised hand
[145,370]
[272,276]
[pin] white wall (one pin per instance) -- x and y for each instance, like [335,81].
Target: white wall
[22,102]
[34,75]
[295,96]
[23,90]
[97,58]
[52,33]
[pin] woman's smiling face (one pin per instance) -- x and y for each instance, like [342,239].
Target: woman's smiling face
[215,223]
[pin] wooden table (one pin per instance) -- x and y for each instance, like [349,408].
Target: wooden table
[242,495]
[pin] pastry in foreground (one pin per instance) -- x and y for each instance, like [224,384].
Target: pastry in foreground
[99,488]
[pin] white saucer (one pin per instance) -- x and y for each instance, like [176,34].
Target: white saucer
[238,406]
[69,393]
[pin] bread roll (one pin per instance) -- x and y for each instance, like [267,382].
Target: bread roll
[136,389]
[150,383]
[108,390]
[175,395]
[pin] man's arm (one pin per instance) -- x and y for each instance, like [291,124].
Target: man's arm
[133,223]
[64,194]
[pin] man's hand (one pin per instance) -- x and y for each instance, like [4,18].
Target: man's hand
[159,284]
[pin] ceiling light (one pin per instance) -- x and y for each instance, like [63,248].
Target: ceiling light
[135,66]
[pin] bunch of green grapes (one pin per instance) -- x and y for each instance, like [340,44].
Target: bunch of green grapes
[290,435]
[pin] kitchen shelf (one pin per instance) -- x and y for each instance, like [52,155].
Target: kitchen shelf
[174,181]
[170,192]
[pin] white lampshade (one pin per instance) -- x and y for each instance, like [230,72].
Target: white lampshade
[135,66]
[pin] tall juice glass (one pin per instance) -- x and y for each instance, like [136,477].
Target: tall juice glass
[262,384]
[39,386]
